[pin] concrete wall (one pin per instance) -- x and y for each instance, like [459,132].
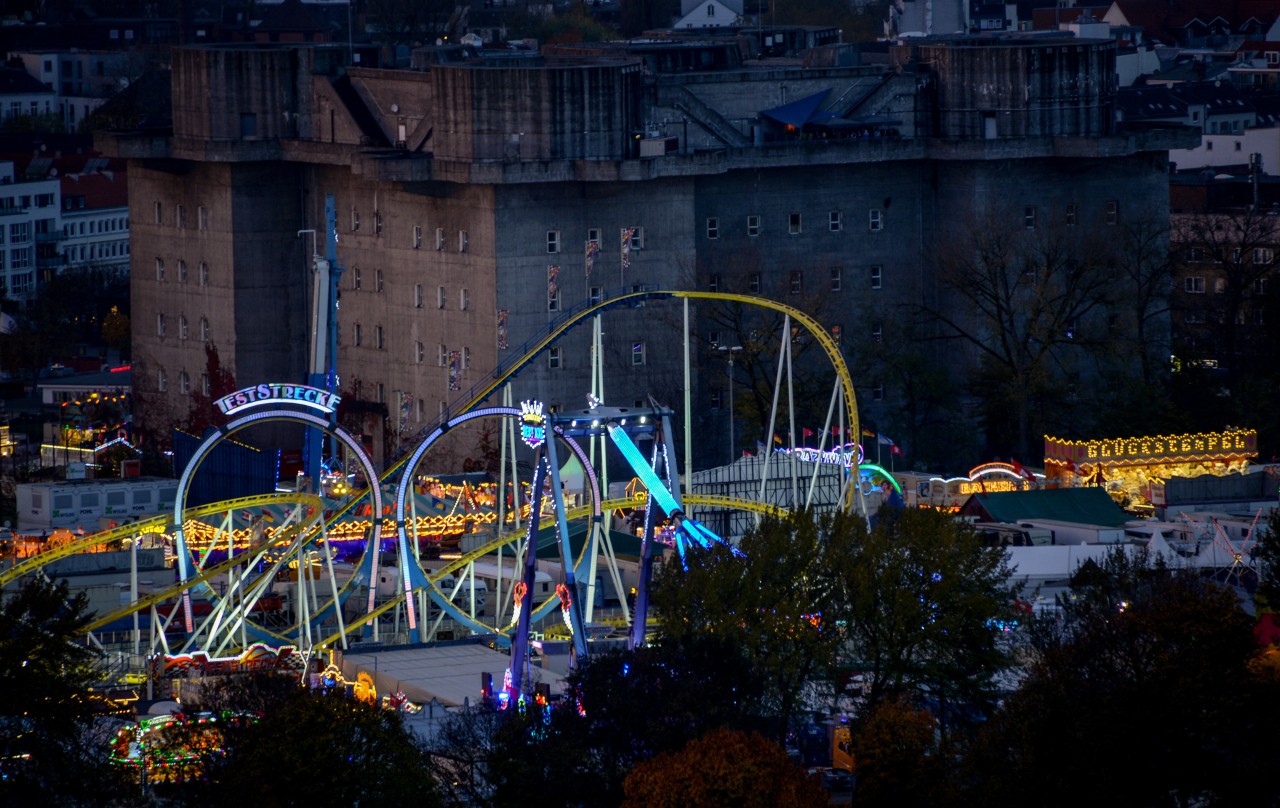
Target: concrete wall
[524,215]
[406,306]
[257,299]
[190,186]
[238,93]
[1022,88]
[548,113]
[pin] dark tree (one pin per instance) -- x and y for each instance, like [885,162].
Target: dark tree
[324,749]
[411,22]
[896,757]
[1142,691]
[638,16]
[723,767]
[53,743]
[922,600]
[1267,597]
[775,599]
[221,382]
[1030,304]
[621,708]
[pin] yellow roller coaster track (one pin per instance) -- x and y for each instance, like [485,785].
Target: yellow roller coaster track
[574,513]
[146,602]
[287,535]
[149,525]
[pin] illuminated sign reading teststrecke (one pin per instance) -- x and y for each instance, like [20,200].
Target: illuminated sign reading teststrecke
[279,394]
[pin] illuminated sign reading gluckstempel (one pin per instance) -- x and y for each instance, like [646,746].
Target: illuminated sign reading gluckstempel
[313,397]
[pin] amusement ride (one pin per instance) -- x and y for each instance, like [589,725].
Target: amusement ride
[350,545]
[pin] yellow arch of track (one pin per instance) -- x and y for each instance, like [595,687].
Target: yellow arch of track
[815,328]
[160,521]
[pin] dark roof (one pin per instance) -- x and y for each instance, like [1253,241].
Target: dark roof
[1163,19]
[105,380]
[146,104]
[291,16]
[1048,19]
[1088,506]
[16,81]
[1187,71]
[100,189]
[1267,106]
[1218,97]
[1153,102]
[1164,101]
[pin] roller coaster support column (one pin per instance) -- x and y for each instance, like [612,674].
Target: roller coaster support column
[688,402]
[566,553]
[520,643]
[323,367]
[663,452]
[647,541]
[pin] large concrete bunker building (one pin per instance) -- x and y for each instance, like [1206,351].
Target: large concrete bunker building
[461,184]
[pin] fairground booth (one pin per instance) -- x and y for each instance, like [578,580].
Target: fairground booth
[1127,467]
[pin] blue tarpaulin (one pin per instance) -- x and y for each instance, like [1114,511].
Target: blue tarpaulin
[800,112]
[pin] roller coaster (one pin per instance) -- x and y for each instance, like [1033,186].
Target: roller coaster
[335,602]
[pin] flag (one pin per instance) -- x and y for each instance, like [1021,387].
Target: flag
[438,505]
[806,432]
[1020,470]
[836,430]
[883,441]
[502,329]
[1071,465]
[776,439]
[628,233]
[592,249]
[868,433]
[894,450]
[745,453]
[759,446]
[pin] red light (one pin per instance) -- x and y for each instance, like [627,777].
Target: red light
[122,368]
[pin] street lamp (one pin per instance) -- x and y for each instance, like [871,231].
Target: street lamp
[731,349]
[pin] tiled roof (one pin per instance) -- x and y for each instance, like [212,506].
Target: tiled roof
[105,189]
